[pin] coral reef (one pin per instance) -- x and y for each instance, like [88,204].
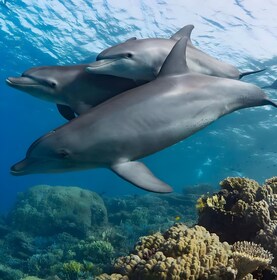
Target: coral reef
[45,210]
[248,257]
[188,253]
[151,209]
[134,216]
[72,270]
[97,251]
[62,233]
[45,235]
[268,238]
[7,273]
[246,212]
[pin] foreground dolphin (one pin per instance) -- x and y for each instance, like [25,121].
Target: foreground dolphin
[140,122]
[74,90]
[143,59]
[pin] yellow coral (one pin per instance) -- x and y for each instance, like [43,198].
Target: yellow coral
[72,269]
[180,253]
[111,277]
[215,201]
[272,183]
[72,266]
[200,204]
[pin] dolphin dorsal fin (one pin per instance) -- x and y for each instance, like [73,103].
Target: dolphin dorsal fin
[176,63]
[131,39]
[183,32]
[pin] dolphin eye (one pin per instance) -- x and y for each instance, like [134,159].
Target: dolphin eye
[63,154]
[129,55]
[52,84]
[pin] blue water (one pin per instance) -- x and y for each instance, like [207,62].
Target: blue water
[39,32]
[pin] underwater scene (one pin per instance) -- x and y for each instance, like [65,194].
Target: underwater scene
[139,140]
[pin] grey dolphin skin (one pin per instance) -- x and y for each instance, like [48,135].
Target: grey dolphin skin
[73,89]
[142,59]
[140,122]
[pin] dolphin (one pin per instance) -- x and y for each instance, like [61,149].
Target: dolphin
[71,87]
[140,122]
[273,85]
[142,59]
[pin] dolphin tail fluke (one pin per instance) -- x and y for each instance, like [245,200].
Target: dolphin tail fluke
[250,73]
[139,175]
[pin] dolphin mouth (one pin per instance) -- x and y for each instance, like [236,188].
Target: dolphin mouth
[100,63]
[33,165]
[23,167]
[17,173]
[21,81]
[19,168]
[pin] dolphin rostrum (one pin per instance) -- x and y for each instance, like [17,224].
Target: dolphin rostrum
[140,122]
[142,59]
[73,89]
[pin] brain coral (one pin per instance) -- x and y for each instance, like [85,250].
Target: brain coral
[249,212]
[46,210]
[180,253]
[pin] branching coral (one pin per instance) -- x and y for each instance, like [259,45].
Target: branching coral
[6,273]
[97,251]
[268,238]
[72,270]
[248,256]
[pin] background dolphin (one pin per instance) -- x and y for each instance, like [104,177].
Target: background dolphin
[74,90]
[273,85]
[143,59]
[140,122]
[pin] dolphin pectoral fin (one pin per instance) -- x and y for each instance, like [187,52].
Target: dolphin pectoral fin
[66,112]
[139,175]
[183,32]
[140,82]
